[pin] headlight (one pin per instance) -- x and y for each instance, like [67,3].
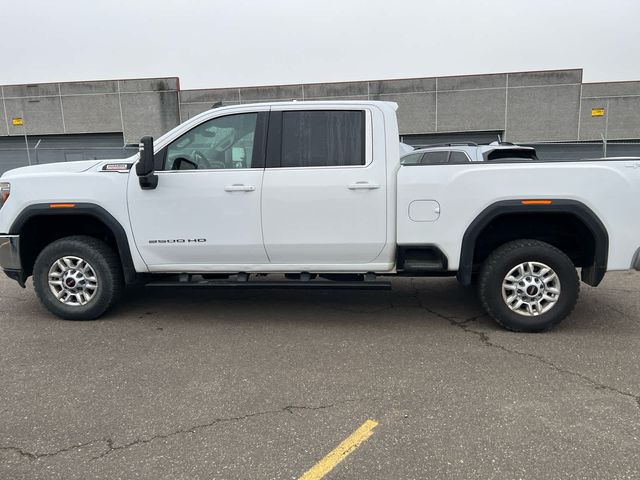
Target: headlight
[5,190]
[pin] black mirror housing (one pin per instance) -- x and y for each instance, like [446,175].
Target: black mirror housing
[144,168]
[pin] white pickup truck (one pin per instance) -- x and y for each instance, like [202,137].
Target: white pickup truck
[316,191]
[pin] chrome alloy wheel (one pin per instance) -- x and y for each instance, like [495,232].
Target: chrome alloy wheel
[531,288]
[73,281]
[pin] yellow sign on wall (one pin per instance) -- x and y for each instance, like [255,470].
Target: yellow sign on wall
[17,121]
[597,112]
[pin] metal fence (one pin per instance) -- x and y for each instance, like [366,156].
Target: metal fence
[585,150]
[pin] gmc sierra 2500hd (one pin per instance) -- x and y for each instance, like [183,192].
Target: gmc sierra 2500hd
[316,191]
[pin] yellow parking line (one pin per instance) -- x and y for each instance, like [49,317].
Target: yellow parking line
[333,458]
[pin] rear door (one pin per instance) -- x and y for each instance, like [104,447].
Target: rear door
[324,193]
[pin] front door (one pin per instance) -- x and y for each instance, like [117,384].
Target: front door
[205,213]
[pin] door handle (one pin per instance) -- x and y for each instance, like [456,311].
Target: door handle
[239,187]
[363,186]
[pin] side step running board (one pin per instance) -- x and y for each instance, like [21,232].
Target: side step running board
[423,265]
[313,285]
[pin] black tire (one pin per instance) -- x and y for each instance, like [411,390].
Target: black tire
[104,262]
[508,256]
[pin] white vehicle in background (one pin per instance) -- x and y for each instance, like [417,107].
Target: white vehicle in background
[404,149]
[466,152]
[316,191]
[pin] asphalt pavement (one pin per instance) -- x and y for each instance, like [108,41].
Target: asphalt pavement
[179,384]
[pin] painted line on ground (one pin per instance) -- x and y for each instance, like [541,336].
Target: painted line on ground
[342,451]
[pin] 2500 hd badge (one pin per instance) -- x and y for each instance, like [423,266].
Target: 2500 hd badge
[180,240]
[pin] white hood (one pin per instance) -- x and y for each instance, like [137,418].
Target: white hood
[62,167]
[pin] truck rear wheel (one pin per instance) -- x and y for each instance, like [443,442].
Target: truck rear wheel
[528,286]
[78,278]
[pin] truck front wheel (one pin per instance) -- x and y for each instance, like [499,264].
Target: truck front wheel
[77,278]
[528,285]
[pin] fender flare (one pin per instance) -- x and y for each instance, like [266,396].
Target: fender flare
[87,209]
[591,275]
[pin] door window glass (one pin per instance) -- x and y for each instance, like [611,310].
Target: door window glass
[223,142]
[323,138]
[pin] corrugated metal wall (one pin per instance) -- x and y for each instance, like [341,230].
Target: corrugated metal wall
[61,148]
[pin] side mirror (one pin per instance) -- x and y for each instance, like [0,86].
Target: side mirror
[144,168]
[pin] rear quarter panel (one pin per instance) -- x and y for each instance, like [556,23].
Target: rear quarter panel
[609,188]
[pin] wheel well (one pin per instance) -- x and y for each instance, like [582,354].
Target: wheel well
[566,224]
[40,230]
[564,231]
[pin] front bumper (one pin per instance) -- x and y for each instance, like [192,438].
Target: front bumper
[10,258]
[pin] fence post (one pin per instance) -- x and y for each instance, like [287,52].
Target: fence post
[604,145]
[35,149]
[26,144]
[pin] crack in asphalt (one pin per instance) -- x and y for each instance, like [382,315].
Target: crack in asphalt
[37,456]
[112,447]
[486,341]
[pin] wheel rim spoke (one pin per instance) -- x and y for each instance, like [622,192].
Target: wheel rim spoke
[531,288]
[73,281]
